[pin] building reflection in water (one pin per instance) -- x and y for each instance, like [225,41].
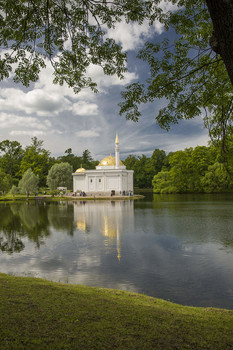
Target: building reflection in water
[107,217]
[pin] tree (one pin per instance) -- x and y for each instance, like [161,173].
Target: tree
[14,190]
[162,183]
[68,33]
[38,159]
[145,168]
[87,160]
[5,181]
[71,35]
[60,175]
[216,179]
[130,162]
[193,170]
[29,182]
[11,157]
[221,13]
[193,73]
[70,158]
[187,72]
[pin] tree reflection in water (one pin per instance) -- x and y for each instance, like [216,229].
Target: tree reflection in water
[32,220]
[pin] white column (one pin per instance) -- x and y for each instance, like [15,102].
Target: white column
[117,152]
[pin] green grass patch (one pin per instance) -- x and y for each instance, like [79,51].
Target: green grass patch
[38,314]
[11,198]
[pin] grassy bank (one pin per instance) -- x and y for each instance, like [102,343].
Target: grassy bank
[11,198]
[37,314]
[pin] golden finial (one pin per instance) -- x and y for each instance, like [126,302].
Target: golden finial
[117,141]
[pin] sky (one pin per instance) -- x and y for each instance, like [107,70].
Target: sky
[90,121]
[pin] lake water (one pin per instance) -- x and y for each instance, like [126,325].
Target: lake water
[175,247]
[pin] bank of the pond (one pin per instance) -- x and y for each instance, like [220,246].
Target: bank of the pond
[11,198]
[37,314]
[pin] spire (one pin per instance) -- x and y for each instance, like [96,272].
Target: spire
[117,156]
[117,140]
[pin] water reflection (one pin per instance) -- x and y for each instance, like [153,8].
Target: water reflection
[32,220]
[173,247]
[107,218]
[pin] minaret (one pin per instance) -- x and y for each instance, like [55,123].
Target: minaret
[117,155]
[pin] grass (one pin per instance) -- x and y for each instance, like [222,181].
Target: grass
[38,314]
[10,197]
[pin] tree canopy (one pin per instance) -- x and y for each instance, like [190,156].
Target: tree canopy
[60,175]
[188,73]
[193,170]
[70,34]
[29,182]
[193,73]
[38,159]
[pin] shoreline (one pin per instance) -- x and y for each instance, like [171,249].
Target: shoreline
[40,314]
[71,198]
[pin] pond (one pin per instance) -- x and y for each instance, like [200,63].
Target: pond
[174,247]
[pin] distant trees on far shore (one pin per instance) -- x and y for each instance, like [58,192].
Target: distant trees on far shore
[199,169]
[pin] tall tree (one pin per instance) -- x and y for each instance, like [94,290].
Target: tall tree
[29,182]
[87,160]
[11,154]
[60,175]
[38,159]
[221,13]
[70,158]
[5,181]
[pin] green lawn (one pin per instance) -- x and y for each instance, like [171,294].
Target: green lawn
[37,314]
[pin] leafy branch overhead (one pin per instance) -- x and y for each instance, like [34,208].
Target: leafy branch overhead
[70,33]
[192,72]
[186,72]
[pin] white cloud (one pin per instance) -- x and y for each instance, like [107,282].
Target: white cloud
[85,108]
[87,133]
[103,81]
[26,133]
[11,120]
[35,101]
[132,35]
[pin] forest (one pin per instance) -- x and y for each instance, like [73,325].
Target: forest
[199,169]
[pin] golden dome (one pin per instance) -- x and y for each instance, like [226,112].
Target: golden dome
[80,170]
[110,160]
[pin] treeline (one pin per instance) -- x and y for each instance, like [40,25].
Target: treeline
[15,161]
[199,169]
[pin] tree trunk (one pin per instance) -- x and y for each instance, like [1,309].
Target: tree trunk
[221,13]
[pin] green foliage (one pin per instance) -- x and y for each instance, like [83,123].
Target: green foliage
[87,160]
[60,175]
[14,190]
[193,170]
[11,154]
[186,72]
[70,158]
[29,182]
[162,183]
[145,168]
[71,34]
[5,181]
[38,159]
[217,179]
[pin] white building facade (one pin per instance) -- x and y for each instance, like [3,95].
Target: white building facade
[109,177]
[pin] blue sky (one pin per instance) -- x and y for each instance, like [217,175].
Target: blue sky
[64,120]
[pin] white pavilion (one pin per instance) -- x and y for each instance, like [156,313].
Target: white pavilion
[109,178]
